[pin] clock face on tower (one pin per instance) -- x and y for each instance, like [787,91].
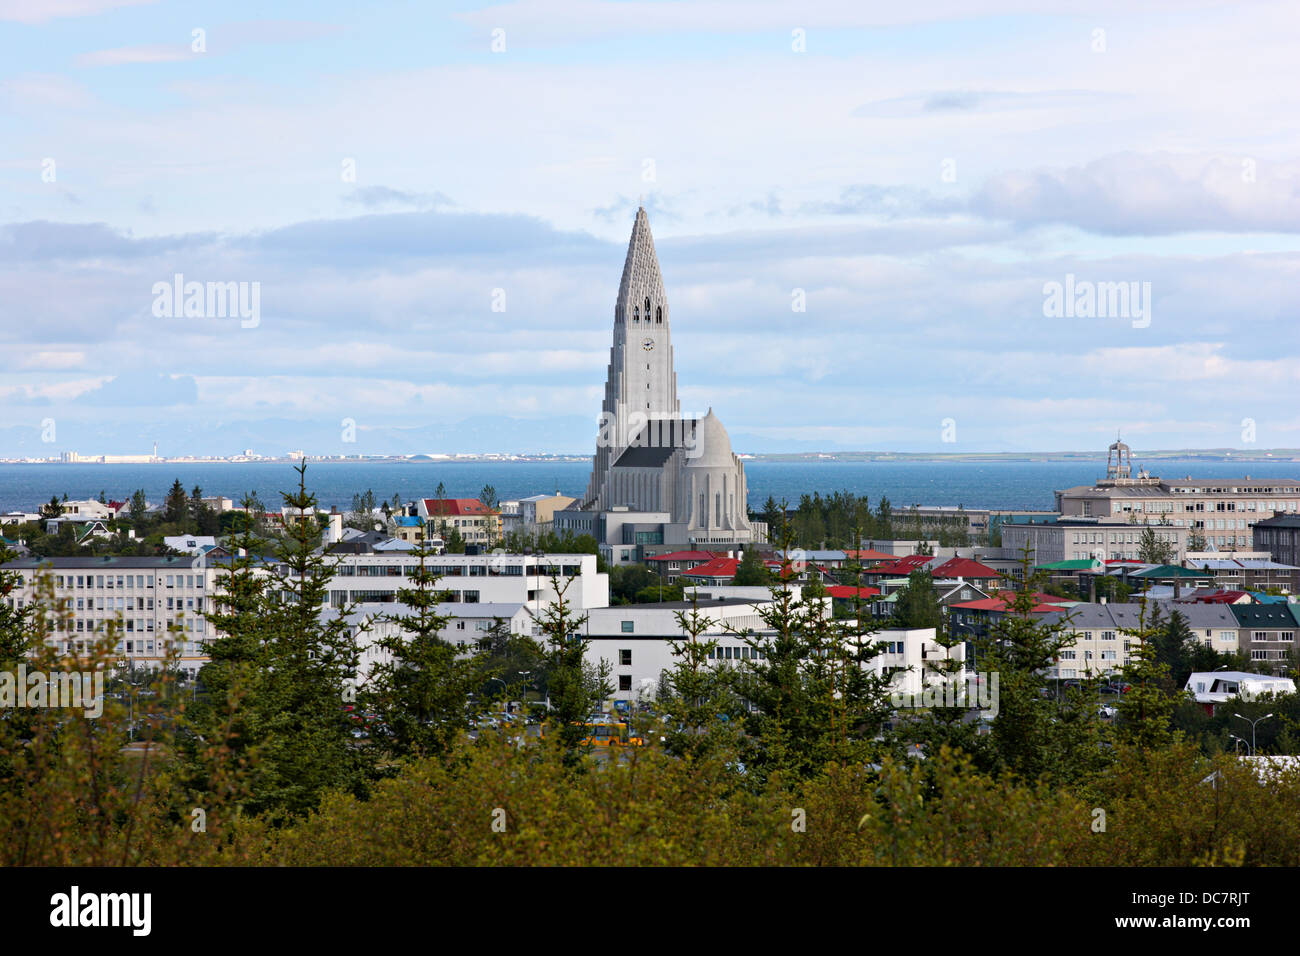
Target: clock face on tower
[648,345]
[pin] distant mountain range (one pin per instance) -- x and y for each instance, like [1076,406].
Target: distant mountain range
[563,435]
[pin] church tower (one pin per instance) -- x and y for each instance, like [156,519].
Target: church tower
[641,384]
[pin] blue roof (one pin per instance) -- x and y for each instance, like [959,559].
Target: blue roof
[1263,598]
[410,521]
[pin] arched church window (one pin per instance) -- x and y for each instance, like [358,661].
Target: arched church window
[636,315]
[647,308]
[659,315]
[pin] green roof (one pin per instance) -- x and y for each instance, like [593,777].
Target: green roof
[1170,571]
[1079,565]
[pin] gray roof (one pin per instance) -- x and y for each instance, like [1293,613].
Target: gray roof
[1128,616]
[103,561]
[1280,521]
[654,444]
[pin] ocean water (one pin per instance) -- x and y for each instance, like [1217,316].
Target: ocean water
[1002,484]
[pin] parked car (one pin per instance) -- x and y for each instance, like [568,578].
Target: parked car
[1107,711]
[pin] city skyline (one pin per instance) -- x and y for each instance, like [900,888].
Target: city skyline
[877,228]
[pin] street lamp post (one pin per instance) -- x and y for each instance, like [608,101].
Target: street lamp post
[1252,729]
[1239,742]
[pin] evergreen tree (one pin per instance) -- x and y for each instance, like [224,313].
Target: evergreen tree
[1036,733]
[488,496]
[816,700]
[421,694]
[574,687]
[282,675]
[1147,708]
[139,505]
[702,712]
[1153,550]
[916,605]
[884,520]
[176,507]
[751,570]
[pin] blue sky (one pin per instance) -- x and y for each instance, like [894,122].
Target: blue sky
[919,173]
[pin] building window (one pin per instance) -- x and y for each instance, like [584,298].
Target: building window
[624,681]
[625,657]
[627,627]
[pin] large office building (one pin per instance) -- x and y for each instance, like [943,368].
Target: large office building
[1223,510]
[1279,536]
[157,603]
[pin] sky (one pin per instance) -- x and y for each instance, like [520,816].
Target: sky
[861,212]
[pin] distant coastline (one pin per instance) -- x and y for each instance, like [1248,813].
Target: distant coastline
[1182,454]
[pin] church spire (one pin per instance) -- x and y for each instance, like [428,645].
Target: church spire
[641,385]
[641,299]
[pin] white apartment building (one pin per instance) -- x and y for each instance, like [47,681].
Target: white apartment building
[156,602]
[634,640]
[472,578]
[467,624]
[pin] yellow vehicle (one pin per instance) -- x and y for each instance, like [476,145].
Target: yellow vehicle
[606,734]
[610,734]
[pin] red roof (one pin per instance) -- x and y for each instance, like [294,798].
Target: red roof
[869,554]
[685,556]
[717,568]
[963,568]
[456,506]
[847,591]
[998,604]
[1220,597]
[904,566]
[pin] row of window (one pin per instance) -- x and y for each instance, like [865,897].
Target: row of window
[1280,637]
[340,598]
[124,581]
[488,570]
[730,653]
[141,625]
[1193,506]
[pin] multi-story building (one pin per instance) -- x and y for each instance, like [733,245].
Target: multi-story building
[635,641]
[1250,574]
[472,578]
[156,602]
[1080,539]
[1280,537]
[534,513]
[476,523]
[1267,633]
[1100,644]
[467,624]
[1223,510]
